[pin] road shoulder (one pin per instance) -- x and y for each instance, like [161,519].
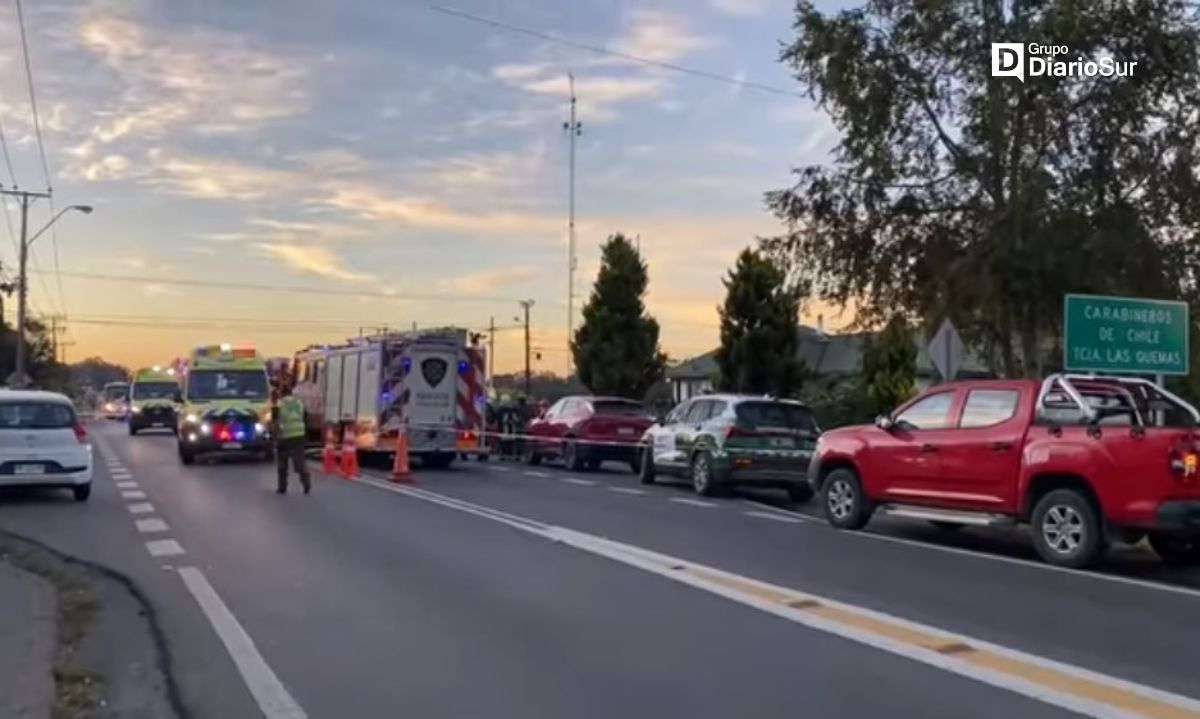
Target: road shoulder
[88,647]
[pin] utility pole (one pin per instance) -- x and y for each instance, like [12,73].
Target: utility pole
[526,304]
[574,129]
[19,377]
[491,348]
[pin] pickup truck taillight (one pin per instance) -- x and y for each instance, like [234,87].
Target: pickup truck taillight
[80,432]
[1185,462]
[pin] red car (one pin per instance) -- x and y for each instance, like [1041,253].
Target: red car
[585,431]
[1084,460]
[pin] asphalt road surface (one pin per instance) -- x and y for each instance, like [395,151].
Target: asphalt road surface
[504,591]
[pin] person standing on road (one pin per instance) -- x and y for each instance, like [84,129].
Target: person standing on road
[288,418]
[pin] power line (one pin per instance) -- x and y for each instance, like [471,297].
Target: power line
[37,121]
[441,297]
[530,32]
[12,174]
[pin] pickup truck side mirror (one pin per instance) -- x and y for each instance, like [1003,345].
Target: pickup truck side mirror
[885,423]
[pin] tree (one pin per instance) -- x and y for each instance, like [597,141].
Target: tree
[95,372]
[40,362]
[889,371]
[957,194]
[616,348]
[759,339]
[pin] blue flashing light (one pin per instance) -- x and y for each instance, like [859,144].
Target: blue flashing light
[464,366]
[406,363]
[386,397]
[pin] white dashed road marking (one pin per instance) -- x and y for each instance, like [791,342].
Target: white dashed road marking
[774,517]
[133,494]
[580,482]
[498,468]
[127,485]
[694,502]
[627,490]
[164,548]
[772,509]
[536,474]
[141,508]
[149,526]
[272,697]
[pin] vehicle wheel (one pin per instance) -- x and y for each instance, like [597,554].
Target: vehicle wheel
[799,493]
[570,455]
[1176,550]
[635,466]
[702,479]
[482,457]
[1066,530]
[437,461]
[186,456]
[82,492]
[646,466]
[845,505]
[530,456]
[946,526]
[132,430]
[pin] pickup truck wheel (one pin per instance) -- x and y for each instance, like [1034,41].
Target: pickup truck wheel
[530,455]
[1176,550]
[845,505]
[646,465]
[1066,530]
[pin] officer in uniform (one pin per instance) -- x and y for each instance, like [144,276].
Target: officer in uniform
[288,418]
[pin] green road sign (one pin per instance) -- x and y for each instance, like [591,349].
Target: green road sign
[1125,334]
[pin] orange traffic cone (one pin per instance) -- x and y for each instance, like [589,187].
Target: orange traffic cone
[401,474]
[349,453]
[329,458]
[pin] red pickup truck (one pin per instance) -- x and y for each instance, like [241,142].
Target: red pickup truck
[1085,460]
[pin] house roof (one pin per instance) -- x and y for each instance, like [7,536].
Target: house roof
[830,354]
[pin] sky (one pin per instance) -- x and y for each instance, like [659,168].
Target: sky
[401,164]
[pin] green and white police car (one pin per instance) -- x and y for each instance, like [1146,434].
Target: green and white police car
[725,440]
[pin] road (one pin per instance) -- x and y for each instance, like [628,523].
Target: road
[506,591]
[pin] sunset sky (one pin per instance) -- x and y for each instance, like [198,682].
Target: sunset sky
[408,164]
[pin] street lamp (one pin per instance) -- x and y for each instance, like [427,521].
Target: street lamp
[20,377]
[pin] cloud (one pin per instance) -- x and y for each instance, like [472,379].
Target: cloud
[659,36]
[312,259]
[472,171]
[491,280]
[331,161]
[109,167]
[598,94]
[215,179]
[740,7]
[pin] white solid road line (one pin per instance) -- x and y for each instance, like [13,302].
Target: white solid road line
[268,691]
[773,517]
[580,482]
[1084,692]
[164,548]
[627,490]
[149,526]
[141,508]
[529,473]
[133,494]
[1030,563]
[694,502]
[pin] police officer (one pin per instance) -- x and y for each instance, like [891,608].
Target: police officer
[289,439]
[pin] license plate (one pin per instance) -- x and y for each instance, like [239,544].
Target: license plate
[783,442]
[29,469]
[158,424]
[231,445]
[625,430]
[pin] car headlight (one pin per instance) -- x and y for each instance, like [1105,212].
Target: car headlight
[260,428]
[108,407]
[205,429]
[191,417]
[135,410]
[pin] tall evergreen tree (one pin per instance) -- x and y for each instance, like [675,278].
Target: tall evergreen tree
[616,348]
[759,336]
[889,371]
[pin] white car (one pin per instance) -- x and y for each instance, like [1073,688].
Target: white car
[43,443]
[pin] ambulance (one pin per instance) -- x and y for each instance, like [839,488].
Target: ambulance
[225,403]
[430,383]
[152,400]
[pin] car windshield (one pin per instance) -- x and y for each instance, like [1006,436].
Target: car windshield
[227,384]
[776,415]
[154,390]
[36,415]
[617,406]
[116,392]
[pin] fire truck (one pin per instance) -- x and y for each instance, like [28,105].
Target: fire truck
[430,383]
